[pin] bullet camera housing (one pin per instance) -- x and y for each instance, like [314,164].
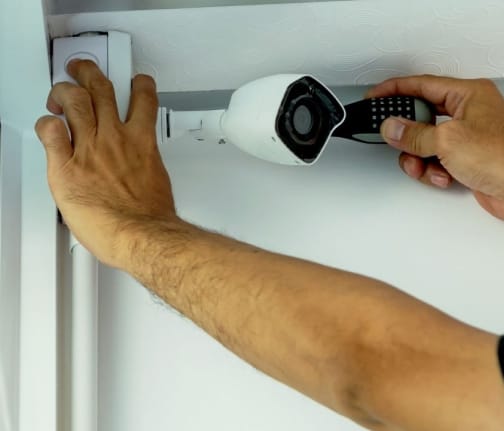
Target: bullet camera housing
[286,119]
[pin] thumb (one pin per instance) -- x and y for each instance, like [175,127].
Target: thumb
[53,133]
[409,136]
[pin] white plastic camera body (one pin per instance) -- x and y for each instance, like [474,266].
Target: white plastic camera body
[286,119]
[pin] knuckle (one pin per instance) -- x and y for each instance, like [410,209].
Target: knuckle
[417,140]
[77,110]
[47,126]
[101,85]
[61,86]
[485,82]
[426,79]
[444,136]
[77,94]
[416,143]
[43,123]
[79,100]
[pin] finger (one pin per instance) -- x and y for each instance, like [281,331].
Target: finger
[492,205]
[143,109]
[54,136]
[76,104]
[412,166]
[53,107]
[426,171]
[445,93]
[411,137]
[90,77]
[435,175]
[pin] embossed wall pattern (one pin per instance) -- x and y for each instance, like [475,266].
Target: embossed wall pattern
[343,42]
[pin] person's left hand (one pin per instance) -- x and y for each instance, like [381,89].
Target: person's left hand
[110,175]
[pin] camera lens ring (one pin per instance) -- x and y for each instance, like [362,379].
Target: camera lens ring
[327,112]
[305,119]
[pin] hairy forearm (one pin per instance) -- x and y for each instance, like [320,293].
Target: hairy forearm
[334,336]
[276,312]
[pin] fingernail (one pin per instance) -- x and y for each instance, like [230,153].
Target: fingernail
[409,166]
[440,180]
[393,130]
[72,62]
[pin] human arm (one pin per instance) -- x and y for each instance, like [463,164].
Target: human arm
[357,345]
[354,344]
[469,148]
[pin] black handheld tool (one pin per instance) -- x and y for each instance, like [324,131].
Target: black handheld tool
[364,118]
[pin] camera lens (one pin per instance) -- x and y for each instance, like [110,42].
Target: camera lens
[303,120]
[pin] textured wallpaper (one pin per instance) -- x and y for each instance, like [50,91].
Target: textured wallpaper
[342,42]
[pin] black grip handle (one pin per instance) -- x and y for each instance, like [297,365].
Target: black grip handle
[364,118]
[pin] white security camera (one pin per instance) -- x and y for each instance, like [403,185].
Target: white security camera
[289,119]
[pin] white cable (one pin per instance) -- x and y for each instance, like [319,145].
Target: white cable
[84,347]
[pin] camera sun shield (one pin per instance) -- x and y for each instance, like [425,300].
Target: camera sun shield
[308,115]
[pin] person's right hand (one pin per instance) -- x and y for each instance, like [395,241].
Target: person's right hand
[470,147]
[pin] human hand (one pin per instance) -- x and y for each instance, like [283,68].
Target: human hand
[470,147]
[110,175]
